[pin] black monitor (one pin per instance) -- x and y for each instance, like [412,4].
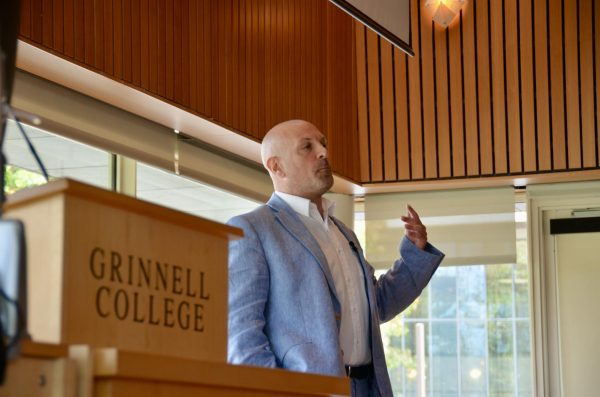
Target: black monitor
[388,18]
[9,30]
[13,291]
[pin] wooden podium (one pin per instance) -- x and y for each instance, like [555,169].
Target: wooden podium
[147,284]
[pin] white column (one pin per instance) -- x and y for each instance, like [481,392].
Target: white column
[420,347]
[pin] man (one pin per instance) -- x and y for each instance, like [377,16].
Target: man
[301,294]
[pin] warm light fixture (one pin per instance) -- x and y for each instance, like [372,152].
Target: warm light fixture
[444,11]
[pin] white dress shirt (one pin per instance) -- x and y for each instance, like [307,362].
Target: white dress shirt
[347,276]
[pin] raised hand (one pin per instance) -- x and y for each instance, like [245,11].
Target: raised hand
[415,230]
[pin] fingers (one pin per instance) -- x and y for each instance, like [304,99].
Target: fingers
[418,231]
[413,228]
[416,236]
[417,228]
[413,214]
[418,239]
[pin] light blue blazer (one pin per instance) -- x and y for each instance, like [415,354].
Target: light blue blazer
[283,308]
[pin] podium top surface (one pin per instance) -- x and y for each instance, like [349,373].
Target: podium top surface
[114,363]
[70,187]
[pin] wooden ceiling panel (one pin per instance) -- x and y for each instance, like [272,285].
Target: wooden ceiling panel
[243,64]
[509,88]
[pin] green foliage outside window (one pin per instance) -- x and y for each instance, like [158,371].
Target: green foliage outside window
[16,178]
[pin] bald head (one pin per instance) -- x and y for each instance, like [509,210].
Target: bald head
[278,138]
[295,154]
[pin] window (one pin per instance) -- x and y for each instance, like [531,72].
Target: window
[182,194]
[477,329]
[62,157]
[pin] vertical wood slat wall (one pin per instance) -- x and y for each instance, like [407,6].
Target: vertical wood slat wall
[511,87]
[245,64]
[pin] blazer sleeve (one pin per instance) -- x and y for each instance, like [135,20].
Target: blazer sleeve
[248,293]
[406,279]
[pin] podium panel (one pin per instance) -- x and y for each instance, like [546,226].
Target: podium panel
[109,270]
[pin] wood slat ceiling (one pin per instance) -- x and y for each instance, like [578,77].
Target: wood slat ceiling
[243,64]
[510,88]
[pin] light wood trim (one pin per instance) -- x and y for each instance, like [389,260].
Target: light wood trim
[527,92]
[70,187]
[470,89]
[572,84]
[586,73]
[513,100]
[597,72]
[414,98]
[402,115]
[117,364]
[557,90]
[486,147]
[456,103]
[544,145]
[427,82]
[361,93]
[82,356]
[471,183]
[498,82]
[389,130]
[34,349]
[374,92]
[442,113]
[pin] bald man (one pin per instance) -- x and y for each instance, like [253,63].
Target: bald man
[301,294]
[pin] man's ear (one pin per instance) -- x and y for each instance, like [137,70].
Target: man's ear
[274,166]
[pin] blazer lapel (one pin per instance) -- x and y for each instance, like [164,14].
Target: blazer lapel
[292,223]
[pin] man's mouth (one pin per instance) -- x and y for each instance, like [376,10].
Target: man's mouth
[326,169]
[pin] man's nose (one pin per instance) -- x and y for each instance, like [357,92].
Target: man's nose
[322,152]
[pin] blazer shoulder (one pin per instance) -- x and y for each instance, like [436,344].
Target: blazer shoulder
[256,216]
